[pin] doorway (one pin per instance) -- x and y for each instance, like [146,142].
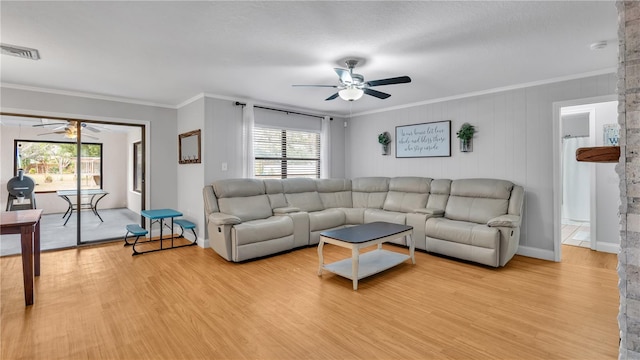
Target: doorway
[586,195]
[77,159]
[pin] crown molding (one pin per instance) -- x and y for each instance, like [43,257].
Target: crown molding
[492,91]
[85,95]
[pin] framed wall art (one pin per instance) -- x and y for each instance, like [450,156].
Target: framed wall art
[424,140]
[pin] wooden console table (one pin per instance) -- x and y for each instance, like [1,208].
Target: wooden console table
[27,224]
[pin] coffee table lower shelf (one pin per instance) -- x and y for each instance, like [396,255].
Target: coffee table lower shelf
[369,263]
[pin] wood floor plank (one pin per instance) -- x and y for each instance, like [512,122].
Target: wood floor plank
[102,303]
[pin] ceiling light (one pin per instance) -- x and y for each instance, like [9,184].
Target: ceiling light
[70,132]
[351,93]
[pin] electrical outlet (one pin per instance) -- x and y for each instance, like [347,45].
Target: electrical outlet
[224,166]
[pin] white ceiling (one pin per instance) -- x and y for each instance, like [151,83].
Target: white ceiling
[168,52]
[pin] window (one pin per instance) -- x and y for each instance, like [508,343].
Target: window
[53,164]
[137,166]
[282,153]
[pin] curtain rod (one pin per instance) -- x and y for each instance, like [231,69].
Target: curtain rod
[284,111]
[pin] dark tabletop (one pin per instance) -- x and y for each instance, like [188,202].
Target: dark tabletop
[366,232]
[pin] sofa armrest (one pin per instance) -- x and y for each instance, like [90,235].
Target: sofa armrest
[430,211]
[219,218]
[285,210]
[511,221]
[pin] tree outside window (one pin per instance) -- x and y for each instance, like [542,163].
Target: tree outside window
[53,165]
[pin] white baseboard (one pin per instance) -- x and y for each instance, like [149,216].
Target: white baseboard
[536,253]
[608,247]
[203,243]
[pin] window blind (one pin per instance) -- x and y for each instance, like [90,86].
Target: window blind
[284,153]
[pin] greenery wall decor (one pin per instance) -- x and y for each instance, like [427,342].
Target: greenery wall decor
[384,139]
[465,134]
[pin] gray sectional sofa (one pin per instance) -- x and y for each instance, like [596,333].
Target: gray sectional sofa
[471,219]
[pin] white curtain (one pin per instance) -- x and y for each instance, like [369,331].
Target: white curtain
[325,148]
[576,183]
[248,158]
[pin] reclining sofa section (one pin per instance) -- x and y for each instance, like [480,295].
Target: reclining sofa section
[470,219]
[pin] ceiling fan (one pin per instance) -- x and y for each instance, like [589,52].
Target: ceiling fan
[352,86]
[68,129]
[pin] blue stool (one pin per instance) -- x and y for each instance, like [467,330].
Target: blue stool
[134,229]
[186,224]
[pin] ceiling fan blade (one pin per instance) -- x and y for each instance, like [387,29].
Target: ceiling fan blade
[50,124]
[378,94]
[55,132]
[329,86]
[89,136]
[331,97]
[390,81]
[88,127]
[345,75]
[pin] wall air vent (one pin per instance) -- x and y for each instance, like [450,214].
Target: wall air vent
[20,51]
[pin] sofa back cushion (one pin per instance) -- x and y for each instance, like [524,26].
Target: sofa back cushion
[369,192]
[302,193]
[244,198]
[407,193]
[478,200]
[275,193]
[440,190]
[335,193]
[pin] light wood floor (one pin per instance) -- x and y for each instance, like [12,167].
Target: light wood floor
[102,303]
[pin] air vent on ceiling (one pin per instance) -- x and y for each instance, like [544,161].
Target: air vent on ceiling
[20,51]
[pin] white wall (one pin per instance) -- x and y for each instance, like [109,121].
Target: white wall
[114,169]
[161,131]
[223,139]
[191,176]
[513,142]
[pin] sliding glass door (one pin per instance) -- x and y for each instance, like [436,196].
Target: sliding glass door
[89,176]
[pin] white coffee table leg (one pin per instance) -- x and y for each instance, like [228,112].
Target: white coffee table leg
[355,263]
[320,257]
[412,248]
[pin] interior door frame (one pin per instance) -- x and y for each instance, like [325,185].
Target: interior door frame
[143,138]
[557,169]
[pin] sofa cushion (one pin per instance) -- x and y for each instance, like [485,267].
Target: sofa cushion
[439,194]
[372,215]
[326,219]
[463,232]
[275,192]
[246,208]
[407,194]
[411,184]
[302,193]
[263,229]
[335,193]
[475,210]
[238,187]
[478,200]
[369,192]
[482,188]
[308,201]
[244,198]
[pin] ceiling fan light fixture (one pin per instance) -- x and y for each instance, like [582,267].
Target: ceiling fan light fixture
[71,133]
[350,94]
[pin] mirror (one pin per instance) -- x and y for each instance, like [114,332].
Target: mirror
[189,147]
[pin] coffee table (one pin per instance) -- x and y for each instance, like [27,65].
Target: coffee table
[362,236]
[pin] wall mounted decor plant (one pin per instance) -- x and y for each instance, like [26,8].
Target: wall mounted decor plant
[384,139]
[465,134]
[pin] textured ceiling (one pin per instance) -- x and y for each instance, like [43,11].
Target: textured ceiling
[169,52]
